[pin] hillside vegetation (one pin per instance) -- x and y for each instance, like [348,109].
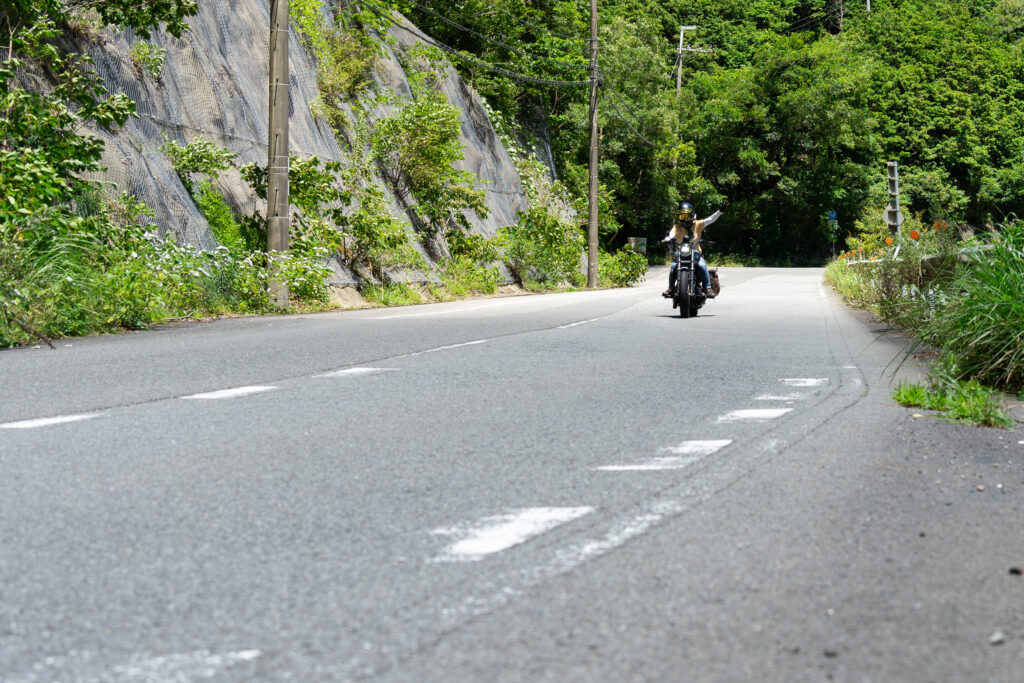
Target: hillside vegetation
[795,113]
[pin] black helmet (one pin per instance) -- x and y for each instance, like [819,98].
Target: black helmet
[686,212]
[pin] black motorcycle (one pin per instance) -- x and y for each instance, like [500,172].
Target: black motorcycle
[688,295]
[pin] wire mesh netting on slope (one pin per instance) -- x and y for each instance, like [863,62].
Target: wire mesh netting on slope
[213,86]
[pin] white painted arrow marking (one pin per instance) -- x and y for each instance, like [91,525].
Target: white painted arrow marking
[501,532]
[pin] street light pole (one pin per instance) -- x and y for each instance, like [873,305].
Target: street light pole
[277,156]
[594,147]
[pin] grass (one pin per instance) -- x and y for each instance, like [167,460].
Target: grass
[960,401]
[973,314]
[462,277]
[393,294]
[983,328]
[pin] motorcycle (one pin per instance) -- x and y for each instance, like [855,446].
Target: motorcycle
[689,295]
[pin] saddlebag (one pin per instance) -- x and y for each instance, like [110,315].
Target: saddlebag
[716,287]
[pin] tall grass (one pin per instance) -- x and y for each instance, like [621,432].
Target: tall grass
[981,325]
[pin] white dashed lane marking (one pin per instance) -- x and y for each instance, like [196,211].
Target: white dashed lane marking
[780,397]
[231,393]
[184,666]
[683,455]
[349,372]
[47,421]
[805,381]
[581,322]
[442,348]
[754,414]
[501,532]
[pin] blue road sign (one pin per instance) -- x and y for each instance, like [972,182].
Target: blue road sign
[832,215]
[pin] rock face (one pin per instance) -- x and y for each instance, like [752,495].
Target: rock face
[214,87]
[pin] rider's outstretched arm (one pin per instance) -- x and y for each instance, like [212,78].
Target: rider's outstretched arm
[712,218]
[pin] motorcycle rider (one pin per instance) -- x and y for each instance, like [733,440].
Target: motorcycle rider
[686,223]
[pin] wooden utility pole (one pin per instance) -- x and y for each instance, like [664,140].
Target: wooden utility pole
[594,148]
[277,156]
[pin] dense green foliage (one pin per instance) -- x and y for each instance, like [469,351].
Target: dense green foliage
[961,297]
[793,115]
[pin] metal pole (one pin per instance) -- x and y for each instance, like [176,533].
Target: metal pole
[594,148]
[277,156]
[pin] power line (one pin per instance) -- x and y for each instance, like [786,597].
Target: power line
[495,41]
[544,29]
[619,115]
[807,23]
[469,59]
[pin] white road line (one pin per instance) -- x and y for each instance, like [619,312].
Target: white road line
[47,421]
[684,455]
[582,322]
[185,666]
[701,448]
[754,414]
[568,559]
[348,372]
[442,348]
[673,462]
[420,315]
[780,397]
[805,381]
[501,532]
[231,393]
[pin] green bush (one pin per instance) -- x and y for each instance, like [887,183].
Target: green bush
[219,215]
[200,157]
[148,58]
[415,150]
[462,276]
[544,249]
[622,269]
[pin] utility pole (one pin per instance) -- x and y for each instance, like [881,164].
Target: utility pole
[277,156]
[594,142]
[869,5]
[679,57]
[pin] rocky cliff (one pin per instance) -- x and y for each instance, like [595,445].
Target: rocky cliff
[213,86]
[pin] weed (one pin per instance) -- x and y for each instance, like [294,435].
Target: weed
[148,58]
[462,277]
[391,294]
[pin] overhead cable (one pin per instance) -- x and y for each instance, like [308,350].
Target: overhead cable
[495,41]
[808,22]
[469,59]
[622,117]
[544,29]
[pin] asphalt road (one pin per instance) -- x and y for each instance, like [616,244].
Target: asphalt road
[569,487]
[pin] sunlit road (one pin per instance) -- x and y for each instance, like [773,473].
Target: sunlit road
[569,487]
